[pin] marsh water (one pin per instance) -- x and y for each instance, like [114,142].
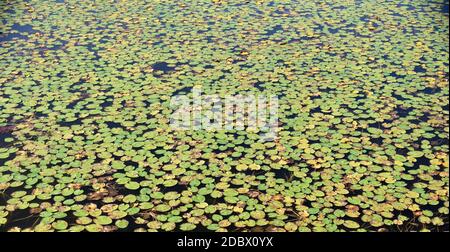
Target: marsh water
[86,143]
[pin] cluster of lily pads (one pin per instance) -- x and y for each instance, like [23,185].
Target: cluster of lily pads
[86,145]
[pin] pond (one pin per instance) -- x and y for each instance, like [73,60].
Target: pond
[86,92]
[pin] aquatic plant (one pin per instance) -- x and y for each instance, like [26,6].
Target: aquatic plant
[85,141]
